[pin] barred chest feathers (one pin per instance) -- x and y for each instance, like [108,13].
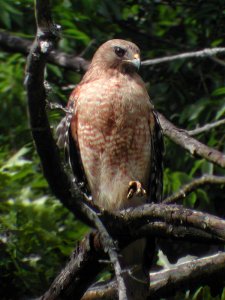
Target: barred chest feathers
[114,139]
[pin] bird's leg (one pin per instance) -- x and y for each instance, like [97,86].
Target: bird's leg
[135,188]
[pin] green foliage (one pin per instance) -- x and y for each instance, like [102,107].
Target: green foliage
[13,105]
[36,233]
[203,293]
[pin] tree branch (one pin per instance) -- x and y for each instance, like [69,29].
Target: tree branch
[85,260]
[166,221]
[171,214]
[206,127]
[17,44]
[195,54]
[218,61]
[182,138]
[189,275]
[83,263]
[193,185]
[14,43]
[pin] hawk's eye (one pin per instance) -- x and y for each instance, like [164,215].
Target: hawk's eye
[119,51]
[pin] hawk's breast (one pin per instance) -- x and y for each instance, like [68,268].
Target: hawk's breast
[114,139]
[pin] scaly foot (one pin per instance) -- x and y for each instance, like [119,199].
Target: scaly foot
[135,188]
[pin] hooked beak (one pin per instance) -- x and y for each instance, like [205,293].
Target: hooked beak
[136,61]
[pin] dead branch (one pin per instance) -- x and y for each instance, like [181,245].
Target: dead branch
[189,275]
[193,185]
[182,138]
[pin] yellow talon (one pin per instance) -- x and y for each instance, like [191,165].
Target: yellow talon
[135,188]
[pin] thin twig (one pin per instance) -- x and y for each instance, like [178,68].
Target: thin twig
[193,185]
[206,127]
[219,61]
[195,54]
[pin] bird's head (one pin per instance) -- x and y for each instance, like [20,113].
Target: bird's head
[120,54]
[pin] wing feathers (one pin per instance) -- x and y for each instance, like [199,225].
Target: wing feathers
[157,149]
[70,146]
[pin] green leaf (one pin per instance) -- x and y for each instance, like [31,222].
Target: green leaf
[16,160]
[219,92]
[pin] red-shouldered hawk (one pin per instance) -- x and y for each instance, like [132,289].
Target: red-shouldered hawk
[113,134]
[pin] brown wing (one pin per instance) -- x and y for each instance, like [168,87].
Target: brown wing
[66,141]
[157,149]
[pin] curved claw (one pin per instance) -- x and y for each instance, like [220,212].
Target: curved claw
[135,188]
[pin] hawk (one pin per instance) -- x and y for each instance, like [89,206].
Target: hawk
[112,133]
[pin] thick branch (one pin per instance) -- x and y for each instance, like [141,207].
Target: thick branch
[85,260]
[84,263]
[161,229]
[177,223]
[182,138]
[171,214]
[14,43]
[193,185]
[189,275]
